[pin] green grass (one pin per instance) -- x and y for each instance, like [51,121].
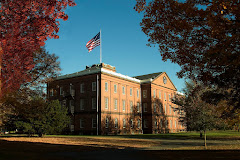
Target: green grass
[230,134]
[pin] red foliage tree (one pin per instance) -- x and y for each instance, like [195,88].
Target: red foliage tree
[25,25]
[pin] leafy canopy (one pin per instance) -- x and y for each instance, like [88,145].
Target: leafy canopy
[25,25]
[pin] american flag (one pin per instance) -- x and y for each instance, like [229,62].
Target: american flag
[94,42]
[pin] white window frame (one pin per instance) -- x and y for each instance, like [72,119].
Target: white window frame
[106,86]
[131,91]
[116,123]
[169,97]
[123,90]
[165,96]
[81,121]
[138,107]
[94,86]
[160,95]
[170,109]
[82,104]
[61,91]
[154,93]
[144,93]
[82,88]
[165,108]
[175,122]
[170,123]
[115,88]
[94,103]
[137,93]
[124,123]
[94,123]
[115,104]
[131,106]
[106,102]
[124,105]
[72,128]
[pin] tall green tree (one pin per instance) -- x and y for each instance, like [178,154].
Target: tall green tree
[196,114]
[202,36]
[34,114]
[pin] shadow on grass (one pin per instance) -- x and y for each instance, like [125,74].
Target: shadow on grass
[29,150]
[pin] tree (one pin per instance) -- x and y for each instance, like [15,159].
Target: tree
[33,114]
[25,25]
[197,114]
[202,36]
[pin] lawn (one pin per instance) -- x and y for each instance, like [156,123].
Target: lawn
[220,143]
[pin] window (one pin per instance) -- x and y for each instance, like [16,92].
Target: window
[160,108]
[124,123]
[94,104]
[123,90]
[160,95]
[115,88]
[130,91]
[82,103]
[72,91]
[165,97]
[138,107]
[106,123]
[116,123]
[170,123]
[51,92]
[166,123]
[161,123]
[137,93]
[72,128]
[106,103]
[174,111]
[144,107]
[139,123]
[94,123]
[154,107]
[106,86]
[170,109]
[155,122]
[144,93]
[71,104]
[154,93]
[131,106]
[165,108]
[81,123]
[175,124]
[169,97]
[61,91]
[82,88]
[124,105]
[131,123]
[145,123]
[115,104]
[64,103]
[94,86]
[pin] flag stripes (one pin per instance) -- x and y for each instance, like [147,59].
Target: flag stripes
[94,42]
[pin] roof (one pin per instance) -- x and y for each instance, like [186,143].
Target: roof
[148,76]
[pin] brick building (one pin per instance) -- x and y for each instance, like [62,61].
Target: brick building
[102,101]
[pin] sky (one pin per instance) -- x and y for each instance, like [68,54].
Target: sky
[123,42]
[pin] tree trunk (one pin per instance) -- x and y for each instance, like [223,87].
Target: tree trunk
[205,139]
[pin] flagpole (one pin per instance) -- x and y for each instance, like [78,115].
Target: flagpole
[100,47]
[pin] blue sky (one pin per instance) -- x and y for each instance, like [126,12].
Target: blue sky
[123,42]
